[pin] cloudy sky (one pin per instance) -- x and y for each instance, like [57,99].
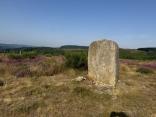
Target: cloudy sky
[53,23]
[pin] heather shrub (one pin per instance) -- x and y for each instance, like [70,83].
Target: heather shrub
[76,59]
[24,72]
[16,69]
[20,74]
[145,70]
[151,65]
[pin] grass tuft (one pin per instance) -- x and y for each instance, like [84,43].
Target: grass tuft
[82,92]
[23,109]
[145,70]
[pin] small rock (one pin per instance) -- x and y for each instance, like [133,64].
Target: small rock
[114,97]
[98,91]
[59,84]
[80,78]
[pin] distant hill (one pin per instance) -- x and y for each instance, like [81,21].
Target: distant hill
[74,47]
[148,53]
[148,49]
[11,46]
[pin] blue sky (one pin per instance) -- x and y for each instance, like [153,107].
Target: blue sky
[53,23]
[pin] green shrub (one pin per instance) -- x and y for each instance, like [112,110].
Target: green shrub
[1,59]
[48,55]
[30,55]
[77,59]
[144,70]
[14,56]
[49,61]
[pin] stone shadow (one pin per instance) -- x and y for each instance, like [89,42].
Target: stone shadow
[118,114]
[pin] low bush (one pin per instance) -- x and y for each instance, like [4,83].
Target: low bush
[145,70]
[48,55]
[20,74]
[14,56]
[30,55]
[77,59]
[16,70]
[1,59]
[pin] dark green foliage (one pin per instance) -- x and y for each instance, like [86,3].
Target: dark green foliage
[148,49]
[77,59]
[133,54]
[107,96]
[30,55]
[1,59]
[145,70]
[48,55]
[39,50]
[14,56]
[1,83]
[137,54]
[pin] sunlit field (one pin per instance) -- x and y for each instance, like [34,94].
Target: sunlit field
[43,86]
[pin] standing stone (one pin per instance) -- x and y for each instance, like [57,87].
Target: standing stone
[103,62]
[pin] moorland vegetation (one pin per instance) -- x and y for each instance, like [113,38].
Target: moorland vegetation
[40,82]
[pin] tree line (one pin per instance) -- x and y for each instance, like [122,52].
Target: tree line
[134,54]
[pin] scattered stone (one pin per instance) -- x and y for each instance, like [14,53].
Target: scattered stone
[60,84]
[80,78]
[99,91]
[114,97]
[154,115]
[103,62]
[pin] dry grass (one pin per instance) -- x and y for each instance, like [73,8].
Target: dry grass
[62,96]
